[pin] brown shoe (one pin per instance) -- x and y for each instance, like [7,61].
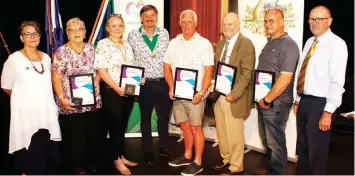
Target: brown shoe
[220,166]
[261,172]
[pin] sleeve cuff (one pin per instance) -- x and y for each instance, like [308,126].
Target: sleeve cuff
[330,108]
[298,99]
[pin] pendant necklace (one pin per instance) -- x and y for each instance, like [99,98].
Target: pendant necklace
[40,72]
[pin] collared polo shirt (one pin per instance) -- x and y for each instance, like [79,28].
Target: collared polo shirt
[280,55]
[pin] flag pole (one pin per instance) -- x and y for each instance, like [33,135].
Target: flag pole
[5,45]
[96,21]
[49,22]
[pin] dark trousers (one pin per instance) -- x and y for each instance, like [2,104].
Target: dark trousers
[41,158]
[272,124]
[118,109]
[154,94]
[81,138]
[312,143]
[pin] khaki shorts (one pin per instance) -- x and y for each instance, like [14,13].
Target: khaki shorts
[186,111]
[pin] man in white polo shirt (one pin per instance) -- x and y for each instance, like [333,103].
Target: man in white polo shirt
[190,50]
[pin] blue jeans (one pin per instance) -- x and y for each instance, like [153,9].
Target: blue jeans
[272,124]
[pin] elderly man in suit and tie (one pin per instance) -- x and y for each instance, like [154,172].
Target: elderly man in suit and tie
[230,110]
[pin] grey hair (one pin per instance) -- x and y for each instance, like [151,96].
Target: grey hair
[191,11]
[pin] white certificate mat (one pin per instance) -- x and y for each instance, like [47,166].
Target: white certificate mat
[82,86]
[185,83]
[225,78]
[264,81]
[131,75]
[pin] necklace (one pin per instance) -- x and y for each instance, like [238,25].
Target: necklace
[78,51]
[40,72]
[123,53]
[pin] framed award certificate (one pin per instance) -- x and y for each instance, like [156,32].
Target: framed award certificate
[82,90]
[185,83]
[130,79]
[225,78]
[263,82]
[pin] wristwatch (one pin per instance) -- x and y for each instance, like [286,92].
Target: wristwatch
[266,103]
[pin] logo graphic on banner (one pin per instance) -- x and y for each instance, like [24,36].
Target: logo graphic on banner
[254,15]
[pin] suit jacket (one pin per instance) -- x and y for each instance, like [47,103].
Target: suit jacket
[242,57]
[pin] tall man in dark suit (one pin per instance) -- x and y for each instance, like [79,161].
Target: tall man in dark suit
[231,109]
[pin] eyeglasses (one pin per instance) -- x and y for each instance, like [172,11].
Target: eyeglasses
[28,34]
[317,20]
[77,30]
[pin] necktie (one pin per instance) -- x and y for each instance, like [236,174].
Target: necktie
[302,74]
[224,56]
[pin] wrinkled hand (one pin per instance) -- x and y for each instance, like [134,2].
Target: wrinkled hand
[262,105]
[120,91]
[67,105]
[325,121]
[142,81]
[230,98]
[171,93]
[197,98]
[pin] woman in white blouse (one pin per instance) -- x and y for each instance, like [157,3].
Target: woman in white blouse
[34,126]
[111,53]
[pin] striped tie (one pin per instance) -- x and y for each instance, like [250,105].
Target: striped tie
[224,56]
[302,74]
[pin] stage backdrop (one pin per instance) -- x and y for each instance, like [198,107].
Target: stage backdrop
[129,9]
[251,16]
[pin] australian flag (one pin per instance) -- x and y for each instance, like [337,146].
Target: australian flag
[53,27]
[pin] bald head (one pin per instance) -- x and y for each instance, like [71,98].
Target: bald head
[230,25]
[321,10]
[276,12]
[319,20]
[231,15]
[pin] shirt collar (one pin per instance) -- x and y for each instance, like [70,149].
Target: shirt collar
[280,37]
[142,32]
[193,37]
[324,37]
[233,39]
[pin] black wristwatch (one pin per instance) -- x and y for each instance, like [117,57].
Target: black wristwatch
[266,103]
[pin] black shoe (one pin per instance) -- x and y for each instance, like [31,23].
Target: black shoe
[163,151]
[180,161]
[220,166]
[192,169]
[149,158]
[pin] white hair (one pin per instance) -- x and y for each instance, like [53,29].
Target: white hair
[191,11]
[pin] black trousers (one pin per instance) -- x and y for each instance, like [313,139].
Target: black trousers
[312,143]
[118,109]
[41,158]
[81,138]
[154,94]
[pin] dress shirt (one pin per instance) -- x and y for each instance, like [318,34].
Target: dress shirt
[230,47]
[325,75]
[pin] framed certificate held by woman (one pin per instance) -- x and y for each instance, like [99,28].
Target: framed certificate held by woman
[130,79]
[82,90]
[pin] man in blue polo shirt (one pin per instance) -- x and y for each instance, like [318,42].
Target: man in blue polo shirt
[279,55]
